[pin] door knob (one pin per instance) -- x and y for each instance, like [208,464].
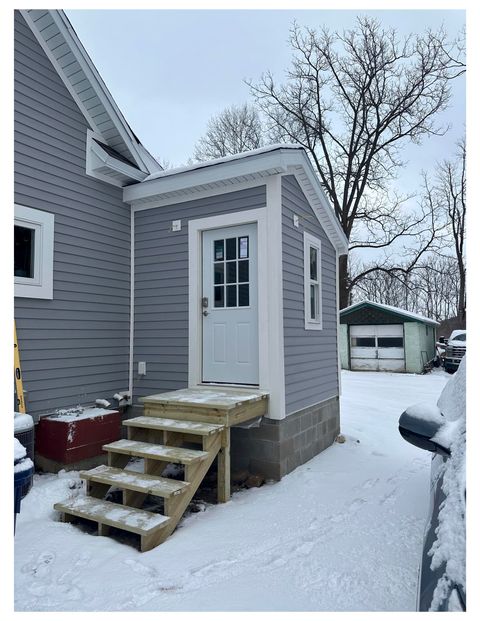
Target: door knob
[205,313]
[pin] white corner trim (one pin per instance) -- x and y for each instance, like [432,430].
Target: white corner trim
[274,276]
[268,347]
[42,222]
[132,305]
[337,310]
[308,242]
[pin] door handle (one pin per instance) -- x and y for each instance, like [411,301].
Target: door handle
[205,313]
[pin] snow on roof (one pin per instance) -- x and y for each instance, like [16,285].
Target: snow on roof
[391,309]
[221,160]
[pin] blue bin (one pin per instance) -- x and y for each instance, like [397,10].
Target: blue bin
[22,479]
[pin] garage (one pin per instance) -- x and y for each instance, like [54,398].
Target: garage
[377,348]
[379,337]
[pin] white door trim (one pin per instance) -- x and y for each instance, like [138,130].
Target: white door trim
[270,294]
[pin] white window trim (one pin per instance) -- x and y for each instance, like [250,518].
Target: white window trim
[41,285]
[309,241]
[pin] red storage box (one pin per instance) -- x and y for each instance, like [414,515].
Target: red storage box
[70,437]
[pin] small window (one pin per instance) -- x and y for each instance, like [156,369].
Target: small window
[363,341]
[312,282]
[390,341]
[33,253]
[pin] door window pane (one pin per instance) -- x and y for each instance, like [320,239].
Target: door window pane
[363,341]
[218,250]
[218,272]
[390,341]
[243,271]
[231,295]
[243,247]
[24,242]
[243,295]
[231,248]
[232,271]
[219,294]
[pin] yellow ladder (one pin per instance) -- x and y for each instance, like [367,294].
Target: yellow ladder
[18,373]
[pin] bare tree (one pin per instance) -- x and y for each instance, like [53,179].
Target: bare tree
[447,194]
[353,99]
[431,289]
[235,130]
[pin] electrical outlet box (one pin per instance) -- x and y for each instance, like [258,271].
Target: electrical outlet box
[295,220]
[176,225]
[142,368]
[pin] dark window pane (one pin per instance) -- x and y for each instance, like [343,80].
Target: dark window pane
[243,295]
[243,247]
[363,341]
[231,295]
[313,264]
[243,271]
[24,242]
[232,248]
[390,341]
[313,313]
[218,250]
[218,273]
[231,271]
[219,297]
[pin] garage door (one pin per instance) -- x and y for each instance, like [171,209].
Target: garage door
[377,348]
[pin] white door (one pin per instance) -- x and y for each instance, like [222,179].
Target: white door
[377,348]
[229,305]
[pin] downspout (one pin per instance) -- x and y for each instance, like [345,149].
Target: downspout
[132,302]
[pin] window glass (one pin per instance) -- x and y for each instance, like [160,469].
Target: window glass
[243,247]
[313,305]
[313,263]
[243,295]
[219,293]
[390,341]
[363,341]
[24,252]
[218,249]
[231,295]
[218,271]
[243,271]
[231,251]
[231,271]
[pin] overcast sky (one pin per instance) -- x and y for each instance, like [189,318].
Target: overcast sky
[170,71]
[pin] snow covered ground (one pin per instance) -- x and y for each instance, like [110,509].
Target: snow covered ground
[342,532]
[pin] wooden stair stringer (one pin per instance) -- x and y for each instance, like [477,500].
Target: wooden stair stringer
[194,474]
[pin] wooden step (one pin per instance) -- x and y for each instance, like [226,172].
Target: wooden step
[170,454]
[112,514]
[135,481]
[170,424]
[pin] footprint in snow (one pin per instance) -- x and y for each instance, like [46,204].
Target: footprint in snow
[369,483]
[207,569]
[40,567]
[140,568]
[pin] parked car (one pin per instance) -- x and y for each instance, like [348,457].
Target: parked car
[441,430]
[455,350]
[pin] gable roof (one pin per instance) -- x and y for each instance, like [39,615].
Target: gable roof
[390,309]
[61,44]
[182,183]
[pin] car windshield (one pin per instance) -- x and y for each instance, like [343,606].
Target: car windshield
[460,337]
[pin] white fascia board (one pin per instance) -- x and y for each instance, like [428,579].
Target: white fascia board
[208,174]
[326,216]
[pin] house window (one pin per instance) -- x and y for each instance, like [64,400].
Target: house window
[312,267]
[33,253]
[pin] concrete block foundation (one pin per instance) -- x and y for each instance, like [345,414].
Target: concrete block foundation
[277,447]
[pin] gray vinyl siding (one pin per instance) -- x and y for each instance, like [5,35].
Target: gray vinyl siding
[161,286]
[73,348]
[311,368]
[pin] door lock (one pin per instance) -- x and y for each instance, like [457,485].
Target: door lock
[205,306]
